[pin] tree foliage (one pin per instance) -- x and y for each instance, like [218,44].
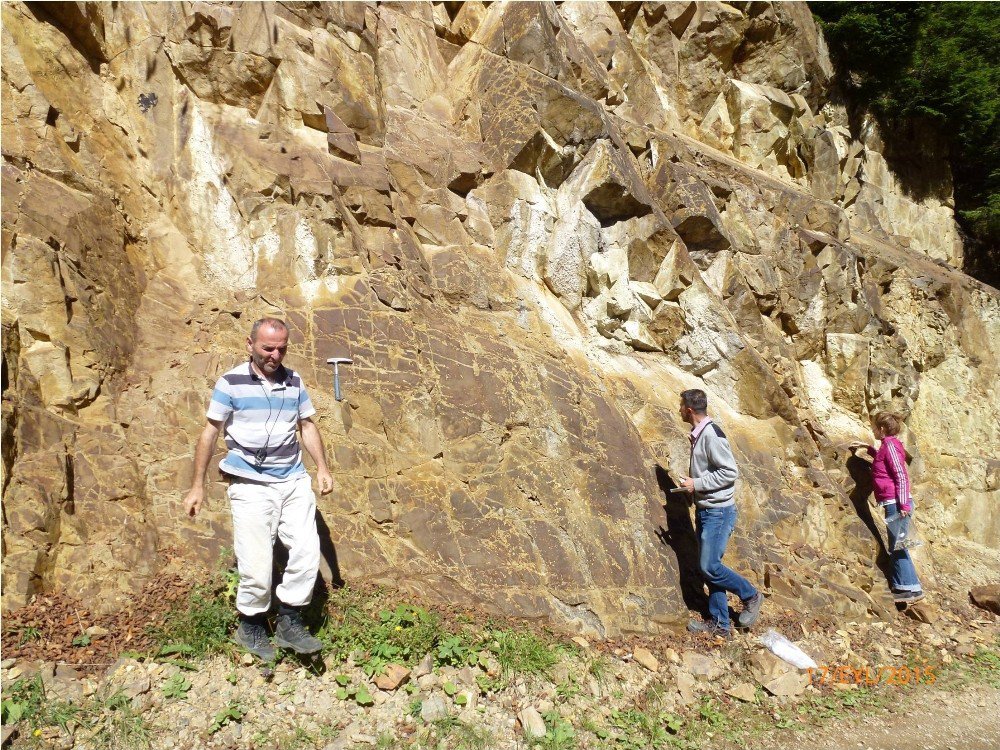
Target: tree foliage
[936,64]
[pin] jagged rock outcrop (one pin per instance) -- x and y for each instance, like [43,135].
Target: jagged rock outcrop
[531,226]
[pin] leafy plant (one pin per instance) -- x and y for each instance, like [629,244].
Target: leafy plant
[176,687]
[362,697]
[568,689]
[488,684]
[452,651]
[233,712]
[559,734]
[379,636]
[641,729]
[709,711]
[415,707]
[359,693]
[23,699]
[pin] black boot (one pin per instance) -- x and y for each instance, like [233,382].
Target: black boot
[290,632]
[252,635]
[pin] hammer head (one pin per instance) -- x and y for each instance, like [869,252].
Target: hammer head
[339,361]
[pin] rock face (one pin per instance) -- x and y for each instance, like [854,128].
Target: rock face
[531,226]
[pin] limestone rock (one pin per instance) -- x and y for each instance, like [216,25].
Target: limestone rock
[687,686]
[433,709]
[393,675]
[777,676]
[646,659]
[424,666]
[701,666]
[986,597]
[743,691]
[531,722]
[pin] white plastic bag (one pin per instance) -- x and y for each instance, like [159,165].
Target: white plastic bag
[786,650]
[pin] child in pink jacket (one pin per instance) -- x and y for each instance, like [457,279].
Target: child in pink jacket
[892,493]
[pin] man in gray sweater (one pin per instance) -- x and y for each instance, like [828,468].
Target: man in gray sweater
[712,484]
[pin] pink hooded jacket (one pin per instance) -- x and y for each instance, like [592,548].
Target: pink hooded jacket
[892,482]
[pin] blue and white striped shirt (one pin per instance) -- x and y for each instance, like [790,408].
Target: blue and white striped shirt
[259,415]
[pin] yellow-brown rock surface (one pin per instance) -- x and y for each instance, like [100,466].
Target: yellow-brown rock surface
[531,226]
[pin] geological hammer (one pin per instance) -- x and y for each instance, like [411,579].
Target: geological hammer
[337,362]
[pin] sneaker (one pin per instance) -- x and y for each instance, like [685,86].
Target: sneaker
[290,632]
[751,610]
[907,597]
[710,627]
[252,636]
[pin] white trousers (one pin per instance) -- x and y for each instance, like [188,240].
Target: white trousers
[264,512]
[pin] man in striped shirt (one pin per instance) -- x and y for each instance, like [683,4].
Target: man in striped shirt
[260,405]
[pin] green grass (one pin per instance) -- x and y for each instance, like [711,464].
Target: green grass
[984,666]
[451,733]
[635,729]
[25,635]
[117,726]
[107,720]
[203,625]
[22,700]
[520,652]
[599,667]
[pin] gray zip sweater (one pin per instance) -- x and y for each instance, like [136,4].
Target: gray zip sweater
[713,468]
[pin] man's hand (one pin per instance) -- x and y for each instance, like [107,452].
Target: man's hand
[193,500]
[687,483]
[325,481]
[202,454]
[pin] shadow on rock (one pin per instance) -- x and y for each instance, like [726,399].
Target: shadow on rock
[861,472]
[680,536]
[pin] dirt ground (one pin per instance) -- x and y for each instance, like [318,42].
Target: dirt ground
[927,719]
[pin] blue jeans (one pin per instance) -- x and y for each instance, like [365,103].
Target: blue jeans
[904,574]
[714,527]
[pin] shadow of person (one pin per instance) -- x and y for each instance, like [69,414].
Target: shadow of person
[861,472]
[680,536]
[327,553]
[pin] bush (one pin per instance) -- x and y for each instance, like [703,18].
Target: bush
[932,64]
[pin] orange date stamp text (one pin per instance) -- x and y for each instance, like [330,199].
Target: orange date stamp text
[871,676]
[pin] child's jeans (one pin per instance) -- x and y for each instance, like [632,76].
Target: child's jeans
[902,532]
[904,574]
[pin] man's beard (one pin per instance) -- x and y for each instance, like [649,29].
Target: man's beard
[260,363]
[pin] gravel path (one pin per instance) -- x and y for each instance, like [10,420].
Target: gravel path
[928,719]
